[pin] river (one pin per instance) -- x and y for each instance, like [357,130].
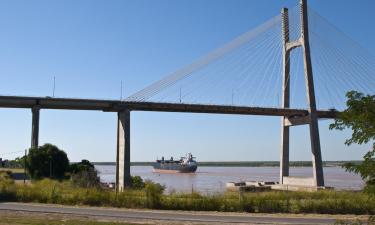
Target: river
[213,179]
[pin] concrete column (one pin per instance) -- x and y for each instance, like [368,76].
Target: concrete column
[314,129]
[284,151]
[35,127]
[123,178]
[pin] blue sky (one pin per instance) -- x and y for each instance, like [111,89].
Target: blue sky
[91,46]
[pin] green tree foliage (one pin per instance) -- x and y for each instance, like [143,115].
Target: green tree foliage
[84,174]
[360,117]
[47,161]
[84,165]
[19,161]
[154,193]
[137,182]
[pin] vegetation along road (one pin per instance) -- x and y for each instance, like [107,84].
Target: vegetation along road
[168,217]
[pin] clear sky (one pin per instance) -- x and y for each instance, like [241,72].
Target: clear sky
[91,46]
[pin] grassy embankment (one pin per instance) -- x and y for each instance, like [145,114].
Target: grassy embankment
[13,170]
[20,218]
[327,202]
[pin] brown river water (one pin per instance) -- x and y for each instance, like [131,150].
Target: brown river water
[213,179]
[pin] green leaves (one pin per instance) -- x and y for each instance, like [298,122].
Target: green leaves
[47,161]
[360,117]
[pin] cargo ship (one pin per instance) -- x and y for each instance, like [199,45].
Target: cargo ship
[186,164]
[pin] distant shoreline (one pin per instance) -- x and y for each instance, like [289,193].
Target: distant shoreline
[242,164]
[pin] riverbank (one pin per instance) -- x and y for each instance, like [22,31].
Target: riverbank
[214,179]
[322,202]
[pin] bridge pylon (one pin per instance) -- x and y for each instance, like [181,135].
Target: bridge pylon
[312,118]
[123,178]
[35,110]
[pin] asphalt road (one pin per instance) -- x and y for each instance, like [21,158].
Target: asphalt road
[171,216]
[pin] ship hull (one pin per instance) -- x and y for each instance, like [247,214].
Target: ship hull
[174,168]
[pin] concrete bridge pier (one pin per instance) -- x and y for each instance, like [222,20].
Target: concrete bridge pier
[123,178]
[35,127]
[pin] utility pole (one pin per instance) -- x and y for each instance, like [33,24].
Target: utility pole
[50,167]
[54,86]
[24,168]
[232,96]
[121,92]
[180,95]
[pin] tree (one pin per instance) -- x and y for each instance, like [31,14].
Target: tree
[137,182]
[154,192]
[360,117]
[84,165]
[84,174]
[47,161]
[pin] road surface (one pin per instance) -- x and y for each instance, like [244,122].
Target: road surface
[167,216]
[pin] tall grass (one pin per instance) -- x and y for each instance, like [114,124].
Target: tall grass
[329,202]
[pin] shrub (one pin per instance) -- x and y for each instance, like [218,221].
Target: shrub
[84,174]
[87,178]
[7,186]
[137,182]
[84,165]
[153,194]
[47,161]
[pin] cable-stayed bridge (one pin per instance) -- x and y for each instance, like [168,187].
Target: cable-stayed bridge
[296,65]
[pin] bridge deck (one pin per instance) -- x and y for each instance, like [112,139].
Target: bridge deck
[115,106]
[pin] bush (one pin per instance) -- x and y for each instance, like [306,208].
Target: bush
[84,174]
[137,182]
[84,165]
[7,186]
[47,161]
[154,192]
[86,178]
[360,118]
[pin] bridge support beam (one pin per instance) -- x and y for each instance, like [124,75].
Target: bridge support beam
[294,121]
[123,178]
[285,133]
[35,127]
